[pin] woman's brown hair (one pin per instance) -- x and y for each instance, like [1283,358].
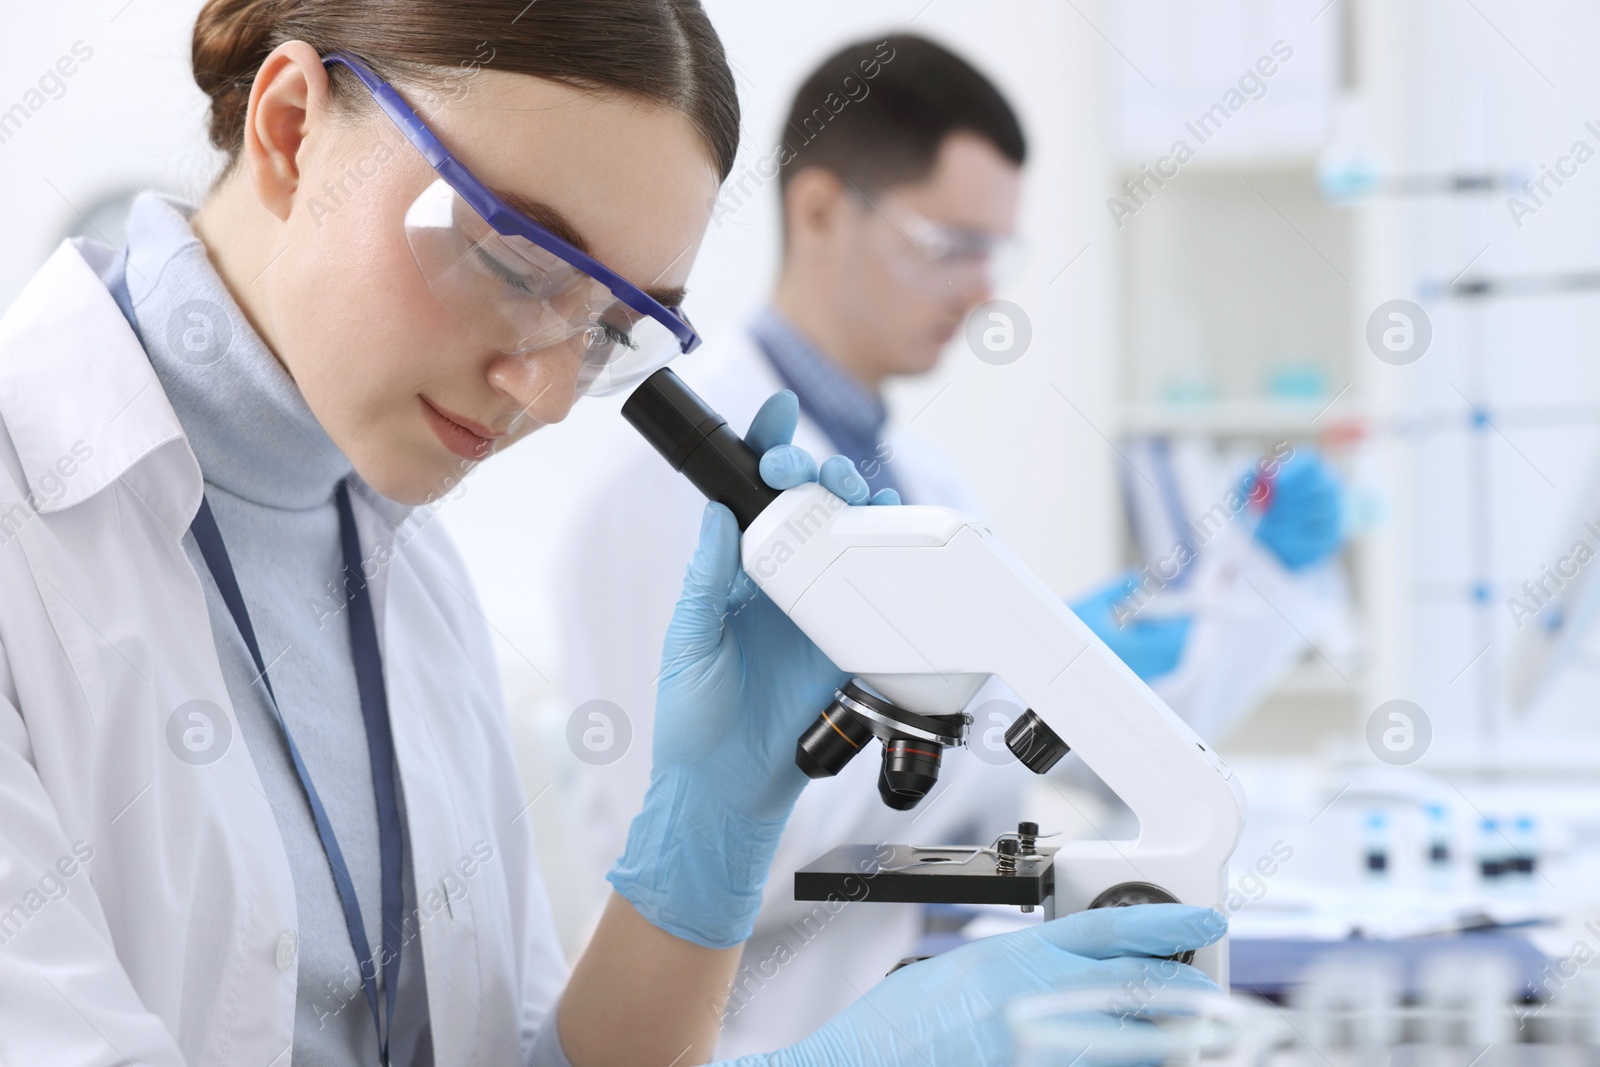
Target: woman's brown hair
[663,51]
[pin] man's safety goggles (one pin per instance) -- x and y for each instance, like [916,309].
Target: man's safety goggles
[940,260]
[513,282]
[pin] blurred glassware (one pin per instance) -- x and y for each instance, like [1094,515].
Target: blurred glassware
[1297,381]
[1150,1027]
[1348,1006]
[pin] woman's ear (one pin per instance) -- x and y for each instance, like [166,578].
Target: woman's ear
[289,103]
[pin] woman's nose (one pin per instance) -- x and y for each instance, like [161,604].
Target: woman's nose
[543,382]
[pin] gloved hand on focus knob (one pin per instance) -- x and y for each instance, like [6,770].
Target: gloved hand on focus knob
[947,1011]
[739,684]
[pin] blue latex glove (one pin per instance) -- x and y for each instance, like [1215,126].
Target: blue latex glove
[946,1011]
[739,683]
[1304,522]
[1150,646]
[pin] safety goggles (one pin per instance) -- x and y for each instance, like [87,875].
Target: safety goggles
[513,282]
[940,260]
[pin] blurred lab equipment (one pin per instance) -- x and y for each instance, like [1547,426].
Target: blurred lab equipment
[1301,518]
[1376,849]
[1160,1027]
[1152,646]
[1464,1004]
[1253,563]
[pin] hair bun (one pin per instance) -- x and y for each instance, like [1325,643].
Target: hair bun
[663,51]
[231,38]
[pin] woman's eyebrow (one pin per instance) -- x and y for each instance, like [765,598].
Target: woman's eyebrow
[669,298]
[546,216]
[557,223]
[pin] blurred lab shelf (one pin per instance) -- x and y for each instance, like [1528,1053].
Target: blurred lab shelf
[1253,163]
[1240,418]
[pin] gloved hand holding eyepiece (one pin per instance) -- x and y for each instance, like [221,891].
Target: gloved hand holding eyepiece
[739,682]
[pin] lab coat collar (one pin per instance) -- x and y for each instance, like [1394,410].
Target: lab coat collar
[79,397]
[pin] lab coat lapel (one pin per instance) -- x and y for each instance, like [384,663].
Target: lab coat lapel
[74,381]
[123,599]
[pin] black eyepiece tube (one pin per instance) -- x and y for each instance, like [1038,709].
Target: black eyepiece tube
[698,442]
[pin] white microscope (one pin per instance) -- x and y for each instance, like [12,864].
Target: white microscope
[922,605]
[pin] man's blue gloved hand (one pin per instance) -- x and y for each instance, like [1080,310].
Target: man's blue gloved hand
[946,1011]
[1304,520]
[739,684]
[1150,646]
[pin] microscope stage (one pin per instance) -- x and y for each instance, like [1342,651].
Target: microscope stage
[920,875]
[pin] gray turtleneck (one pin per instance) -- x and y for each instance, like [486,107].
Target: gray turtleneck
[270,474]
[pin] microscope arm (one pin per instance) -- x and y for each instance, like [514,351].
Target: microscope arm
[925,603]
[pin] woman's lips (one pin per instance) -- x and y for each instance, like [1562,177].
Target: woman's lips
[457,437]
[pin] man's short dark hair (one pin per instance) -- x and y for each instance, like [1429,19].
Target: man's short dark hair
[876,112]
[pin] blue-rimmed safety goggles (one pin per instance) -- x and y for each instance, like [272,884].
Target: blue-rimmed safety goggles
[516,284]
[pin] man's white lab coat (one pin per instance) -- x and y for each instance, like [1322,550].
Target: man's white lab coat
[147,913]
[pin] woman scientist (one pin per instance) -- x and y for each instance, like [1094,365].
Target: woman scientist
[257,800]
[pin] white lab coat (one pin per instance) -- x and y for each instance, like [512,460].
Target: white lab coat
[172,939]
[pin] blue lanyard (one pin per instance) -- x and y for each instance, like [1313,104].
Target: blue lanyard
[380,747]
[374,713]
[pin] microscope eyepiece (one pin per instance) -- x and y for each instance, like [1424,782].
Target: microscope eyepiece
[697,442]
